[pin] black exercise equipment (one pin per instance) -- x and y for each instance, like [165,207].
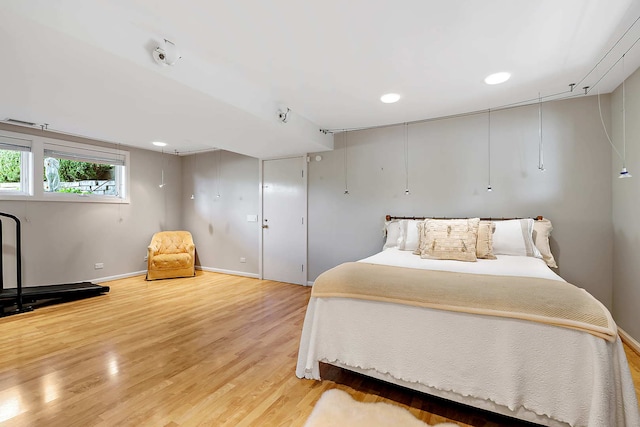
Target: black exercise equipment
[17,297]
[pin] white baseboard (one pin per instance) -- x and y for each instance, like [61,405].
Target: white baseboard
[118,276]
[210,269]
[96,280]
[232,272]
[309,283]
[628,340]
[144,272]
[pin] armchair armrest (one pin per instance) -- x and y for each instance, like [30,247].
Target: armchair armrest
[151,251]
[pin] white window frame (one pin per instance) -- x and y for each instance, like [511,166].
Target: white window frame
[83,152]
[36,174]
[24,146]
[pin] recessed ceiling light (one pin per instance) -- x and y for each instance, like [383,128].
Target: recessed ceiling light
[159,144]
[497,78]
[390,98]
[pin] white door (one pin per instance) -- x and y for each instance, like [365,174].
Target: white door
[284,228]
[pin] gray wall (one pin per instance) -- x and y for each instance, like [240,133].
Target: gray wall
[219,225]
[448,177]
[626,210]
[62,241]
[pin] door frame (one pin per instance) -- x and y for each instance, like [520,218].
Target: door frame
[304,159]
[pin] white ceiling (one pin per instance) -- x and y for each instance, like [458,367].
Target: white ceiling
[86,68]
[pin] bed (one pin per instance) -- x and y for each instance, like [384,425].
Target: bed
[544,373]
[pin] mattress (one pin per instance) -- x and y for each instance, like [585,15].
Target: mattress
[535,372]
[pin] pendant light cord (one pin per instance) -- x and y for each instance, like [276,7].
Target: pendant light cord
[161,169]
[624,119]
[540,146]
[605,130]
[218,174]
[346,147]
[406,158]
[489,149]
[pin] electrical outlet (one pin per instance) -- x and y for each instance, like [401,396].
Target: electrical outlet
[243,259]
[98,265]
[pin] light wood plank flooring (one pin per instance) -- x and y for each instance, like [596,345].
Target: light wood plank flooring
[214,350]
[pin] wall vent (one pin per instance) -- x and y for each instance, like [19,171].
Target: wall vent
[20,122]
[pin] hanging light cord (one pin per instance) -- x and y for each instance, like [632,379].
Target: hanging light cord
[489,150]
[218,173]
[605,130]
[623,157]
[624,119]
[624,173]
[540,146]
[161,169]
[195,172]
[346,146]
[406,158]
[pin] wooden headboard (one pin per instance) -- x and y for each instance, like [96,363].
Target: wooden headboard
[390,218]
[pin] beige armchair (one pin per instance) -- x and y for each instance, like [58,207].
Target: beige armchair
[171,254]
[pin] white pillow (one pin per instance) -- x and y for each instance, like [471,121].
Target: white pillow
[515,237]
[541,232]
[410,237]
[393,233]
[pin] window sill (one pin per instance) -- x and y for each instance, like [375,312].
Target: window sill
[66,198]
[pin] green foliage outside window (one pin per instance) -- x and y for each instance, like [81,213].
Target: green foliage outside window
[74,171]
[72,190]
[9,166]
[70,170]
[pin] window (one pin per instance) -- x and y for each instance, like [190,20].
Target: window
[85,171]
[15,162]
[34,167]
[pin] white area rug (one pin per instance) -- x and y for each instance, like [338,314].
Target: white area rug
[337,408]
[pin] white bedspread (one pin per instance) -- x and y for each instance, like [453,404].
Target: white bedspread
[505,265]
[536,372]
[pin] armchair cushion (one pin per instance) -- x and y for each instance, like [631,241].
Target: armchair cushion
[171,254]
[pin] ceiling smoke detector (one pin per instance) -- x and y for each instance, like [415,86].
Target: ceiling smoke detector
[166,54]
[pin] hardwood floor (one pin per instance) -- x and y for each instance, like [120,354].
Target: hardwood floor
[213,350]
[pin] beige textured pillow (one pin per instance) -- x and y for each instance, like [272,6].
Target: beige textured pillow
[484,245]
[541,232]
[453,239]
